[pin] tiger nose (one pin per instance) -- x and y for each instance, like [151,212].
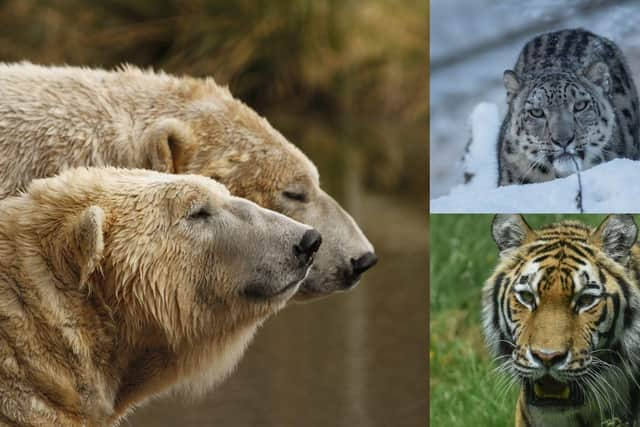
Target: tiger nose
[549,358]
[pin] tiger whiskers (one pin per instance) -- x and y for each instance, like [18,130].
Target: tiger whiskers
[507,378]
[599,383]
[603,379]
[505,371]
[625,364]
[593,389]
[622,375]
[509,383]
[630,372]
[597,388]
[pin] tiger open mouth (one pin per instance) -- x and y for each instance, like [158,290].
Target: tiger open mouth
[548,391]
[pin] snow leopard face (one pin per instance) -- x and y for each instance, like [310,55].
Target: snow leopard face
[559,123]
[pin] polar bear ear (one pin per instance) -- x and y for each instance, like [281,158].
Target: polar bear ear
[168,144]
[82,244]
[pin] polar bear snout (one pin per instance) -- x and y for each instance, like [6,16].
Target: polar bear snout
[345,254]
[308,245]
[278,254]
[357,266]
[362,264]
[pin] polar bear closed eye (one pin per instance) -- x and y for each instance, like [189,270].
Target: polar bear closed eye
[117,285]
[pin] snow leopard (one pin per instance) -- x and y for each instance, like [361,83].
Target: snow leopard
[572,104]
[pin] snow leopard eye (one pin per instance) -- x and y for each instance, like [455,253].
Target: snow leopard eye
[580,106]
[536,112]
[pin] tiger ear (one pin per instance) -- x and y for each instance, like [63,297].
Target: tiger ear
[598,73]
[511,83]
[509,231]
[617,234]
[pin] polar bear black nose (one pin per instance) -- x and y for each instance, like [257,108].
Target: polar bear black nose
[309,244]
[363,263]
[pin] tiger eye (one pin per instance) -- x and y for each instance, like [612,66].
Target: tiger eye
[526,297]
[585,300]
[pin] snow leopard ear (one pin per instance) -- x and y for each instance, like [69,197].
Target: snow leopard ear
[511,83]
[598,73]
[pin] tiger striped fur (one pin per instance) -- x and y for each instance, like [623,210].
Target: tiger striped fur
[561,315]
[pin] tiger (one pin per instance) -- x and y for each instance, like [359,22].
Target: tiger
[572,104]
[561,315]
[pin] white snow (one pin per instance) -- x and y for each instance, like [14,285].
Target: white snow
[481,159]
[612,187]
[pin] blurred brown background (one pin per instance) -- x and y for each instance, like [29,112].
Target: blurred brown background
[347,82]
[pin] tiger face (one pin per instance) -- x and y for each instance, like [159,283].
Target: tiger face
[559,310]
[560,122]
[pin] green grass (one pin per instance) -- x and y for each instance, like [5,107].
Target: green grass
[464,390]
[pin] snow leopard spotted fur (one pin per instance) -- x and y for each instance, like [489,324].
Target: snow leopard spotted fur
[572,104]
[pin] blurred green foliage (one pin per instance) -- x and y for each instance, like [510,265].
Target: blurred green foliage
[348,72]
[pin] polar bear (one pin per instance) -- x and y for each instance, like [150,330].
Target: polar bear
[53,118]
[116,285]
